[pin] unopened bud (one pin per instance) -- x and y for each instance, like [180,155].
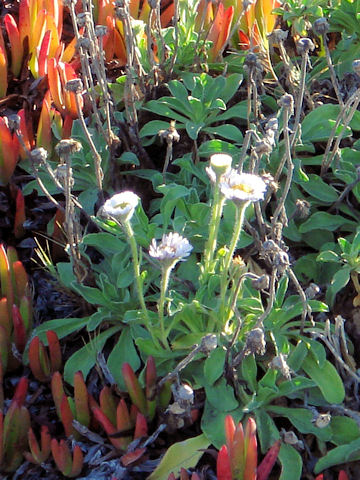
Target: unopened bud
[208,343]
[251,60]
[302,208]
[287,101]
[255,342]
[101,30]
[82,18]
[261,283]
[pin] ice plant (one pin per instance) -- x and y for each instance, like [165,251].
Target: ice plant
[220,30]
[69,409]
[237,460]
[9,151]
[13,430]
[172,248]
[146,400]
[39,453]
[342,476]
[69,463]
[42,364]
[220,165]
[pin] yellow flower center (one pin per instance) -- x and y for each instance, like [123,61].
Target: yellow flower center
[243,187]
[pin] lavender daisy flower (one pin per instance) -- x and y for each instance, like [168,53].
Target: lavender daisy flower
[172,248]
[242,187]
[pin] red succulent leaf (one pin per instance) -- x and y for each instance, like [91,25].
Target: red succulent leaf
[119,443]
[67,417]
[77,463]
[141,428]
[21,279]
[343,475]
[223,468]
[3,73]
[19,333]
[54,350]
[5,318]
[62,456]
[268,462]
[39,454]
[250,447]
[44,54]
[20,392]
[108,404]
[5,274]
[57,390]
[132,457]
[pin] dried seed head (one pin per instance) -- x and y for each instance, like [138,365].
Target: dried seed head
[120,13]
[75,85]
[321,26]
[305,45]
[251,60]
[83,42]
[101,30]
[255,342]
[280,35]
[281,261]
[261,283]
[263,147]
[272,124]
[153,3]
[60,173]
[321,420]
[83,18]
[120,3]
[287,101]
[312,290]
[290,438]
[39,155]
[279,363]
[14,122]
[68,3]
[67,147]
[208,343]
[302,208]
[356,66]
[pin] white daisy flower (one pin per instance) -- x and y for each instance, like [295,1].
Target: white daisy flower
[220,164]
[121,206]
[242,187]
[172,248]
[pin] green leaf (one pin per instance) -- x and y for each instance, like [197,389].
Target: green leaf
[90,294]
[160,107]
[227,131]
[319,189]
[193,129]
[302,418]
[178,90]
[344,430]
[291,463]
[323,221]
[213,420]
[336,456]
[85,358]
[218,390]
[214,365]
[266,429]
[237,111]
[184,454]
[326,378]
[232,84]
[339,281]
[153,127]
[217,146]
[62,327]
[105,242]
[328,256]
[124,351]
[318,124]
[249,371]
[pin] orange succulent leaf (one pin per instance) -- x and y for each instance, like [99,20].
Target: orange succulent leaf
[167,13]
[16,46]
[251,450]
[229,429]
[44,132]
[26,132]
[123,418]
[119,443]
[105,9]
[265,18]
[9,152]
[62,456]
[39,453]
[204,15]
[220,30]
[57,391]
[15,428]
[5,276]
[55,86]
[67,417]
[26,312]
[68,73]
[3,73]
[343,475]
[38,360]
[37,31]
[43,54]
[133,387]
[77,462]
[108,404]
[24,20]
[81,399]
[21,280]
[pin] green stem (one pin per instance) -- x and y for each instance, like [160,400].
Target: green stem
[139,284]
[239,220]
[210,247]
[166,270]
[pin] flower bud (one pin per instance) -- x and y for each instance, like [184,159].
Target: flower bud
[304,45]
[321,26]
